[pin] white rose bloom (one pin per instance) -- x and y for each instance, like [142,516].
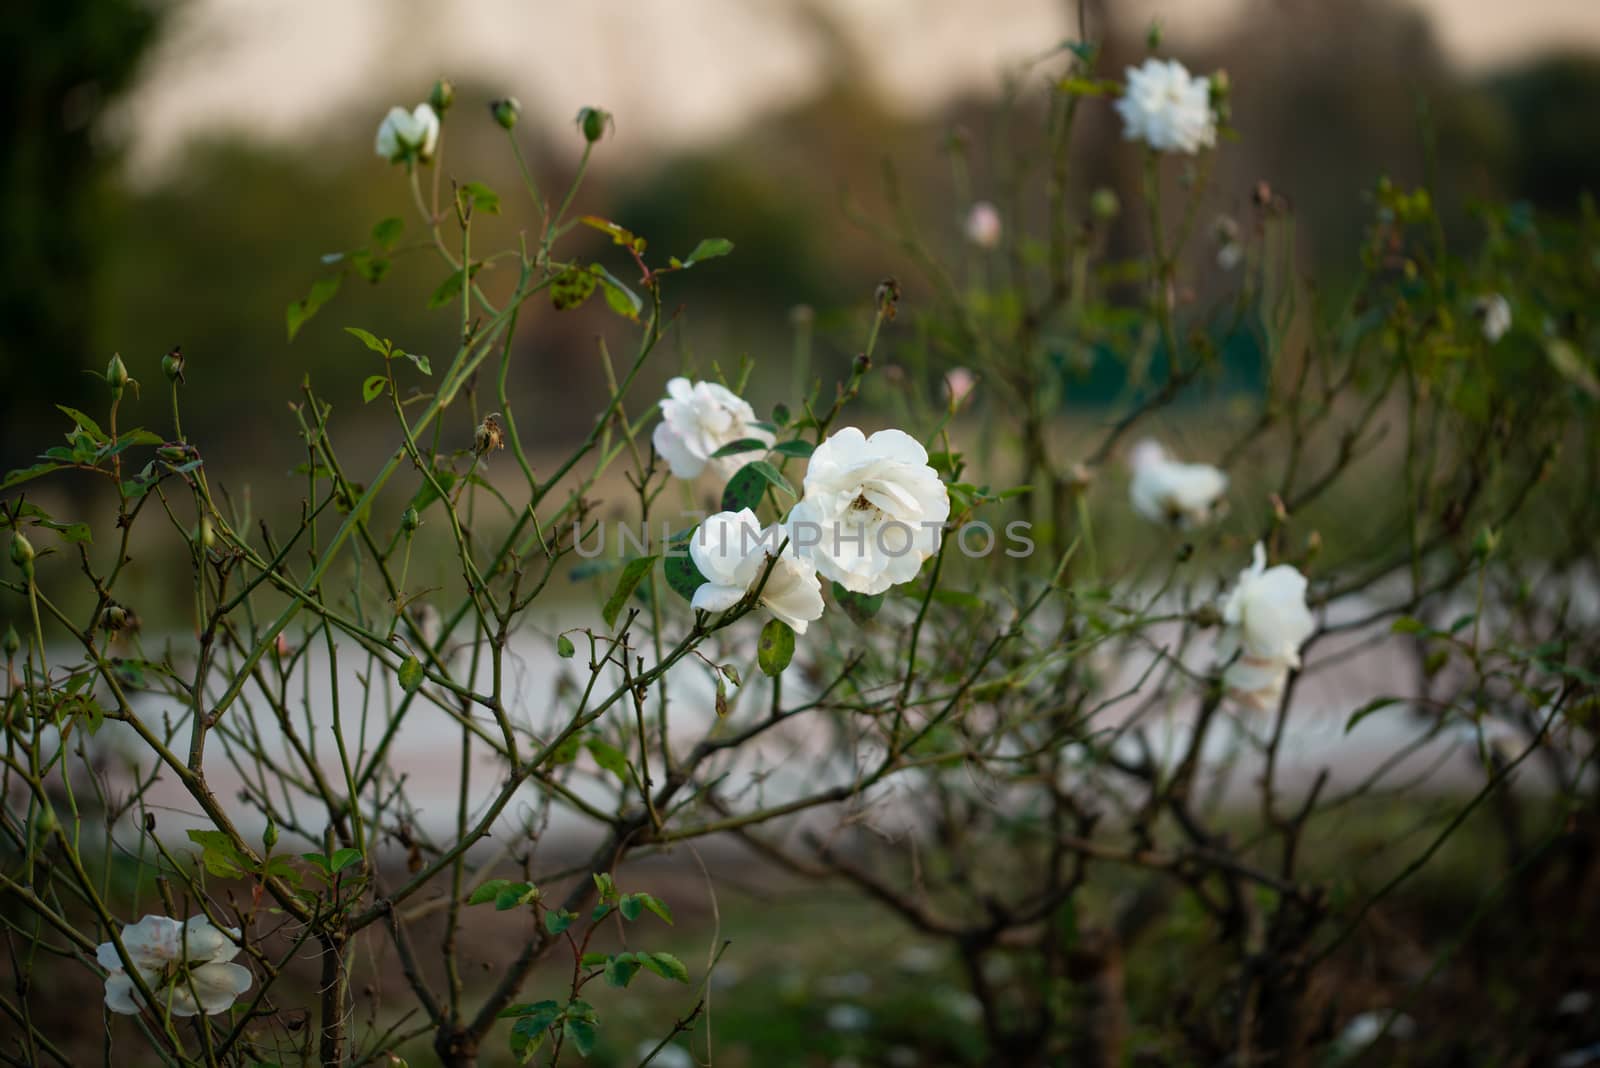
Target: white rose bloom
[402,133]
[731,551]
[1167,108]
[1494,316]
[185,965]
[873,509]
[1266,621]
[983,225]
[1167,491]
[697,419]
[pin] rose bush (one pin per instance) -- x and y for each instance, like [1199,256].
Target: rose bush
[391,769]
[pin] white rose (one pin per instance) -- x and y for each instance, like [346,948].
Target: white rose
[732,552]
[1167,108]
[873,509]
[1167,491]
[405,133]
[697,419]
[185,965]
[1494,316]
[983,225]
[1266,621]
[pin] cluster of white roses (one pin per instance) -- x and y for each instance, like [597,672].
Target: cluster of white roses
[184,965]
[1265,615]
[871,510]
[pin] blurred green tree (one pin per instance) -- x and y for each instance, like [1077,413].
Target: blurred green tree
[62,62]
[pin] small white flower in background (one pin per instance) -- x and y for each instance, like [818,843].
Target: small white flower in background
[848,1018]
[1265,621]
[1367,1026]
[671,1056]
[697,419]
[732,551]
[958,385]
[1165,490]
[873,509]
[185,965]
[1574,1003]
[983,225]
[1494,316]
[1167,108]
[405,134]
[1230,253]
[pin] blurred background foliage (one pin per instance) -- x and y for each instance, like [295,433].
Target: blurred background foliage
[207,252]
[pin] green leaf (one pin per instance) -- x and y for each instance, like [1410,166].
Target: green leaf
[410,674]
[632,575]
[733,448]
[426,494]
[488,891]
[481,197]
[571,288]
[619,235]
[514,895]
[1408,625]
[372,388]
[367,338]
[621,969]
[564,647]
[624,301]
[665,965]
[1368,709]
[450,288]
[799,449]
[387,232]
[342,859]
[682,575]
[26,474]
[582,1033]
[749,484]
[558,920]
[656,906]
[709,249]
[417,358]
[88,425]
[776,648]
[298,312]
[609,757]
[858,606]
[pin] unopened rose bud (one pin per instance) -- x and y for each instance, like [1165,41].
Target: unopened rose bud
[172,364]
[593,123]
[505,111]
[1152,36]
[1313,545]
[116,617]
[204,535]
[1079,477]
[1221,86]
[490,435]
[22,554]
[443,95]
[1104,204]
[13,643]
[802,315]
[1279,512]
[958,385]
[269,837]
[1487,541]
[149,822]
[116,375]
[410,520]
[1205,616]
[863,363]
[983,225]
[282,647]
[887,296]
